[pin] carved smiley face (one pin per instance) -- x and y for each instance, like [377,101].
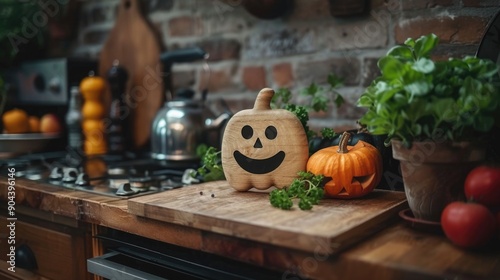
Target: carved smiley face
[259,166]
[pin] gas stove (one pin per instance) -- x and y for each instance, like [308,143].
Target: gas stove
[124,176]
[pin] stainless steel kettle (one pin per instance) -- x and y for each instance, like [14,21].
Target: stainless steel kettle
[184,123]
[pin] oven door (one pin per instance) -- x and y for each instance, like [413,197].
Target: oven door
[134,257]
[117,266]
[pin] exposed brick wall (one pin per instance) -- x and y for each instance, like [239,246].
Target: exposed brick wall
[449,29]
[301,47]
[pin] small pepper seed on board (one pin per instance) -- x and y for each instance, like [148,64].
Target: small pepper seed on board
[201,193]
[213,195]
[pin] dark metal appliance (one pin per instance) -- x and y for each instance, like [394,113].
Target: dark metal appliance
[43,86]
[133,257]
[46,82]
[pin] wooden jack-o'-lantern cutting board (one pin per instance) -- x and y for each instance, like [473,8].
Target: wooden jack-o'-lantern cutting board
[263,147]
[137,48]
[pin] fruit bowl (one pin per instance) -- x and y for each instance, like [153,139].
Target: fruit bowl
[15,144]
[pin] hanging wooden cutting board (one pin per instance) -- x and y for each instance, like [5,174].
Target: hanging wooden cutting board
[137,47]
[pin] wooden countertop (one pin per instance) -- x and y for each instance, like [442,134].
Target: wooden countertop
[394,252]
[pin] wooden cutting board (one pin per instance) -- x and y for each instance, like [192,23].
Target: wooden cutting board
[137,47]
[328,228]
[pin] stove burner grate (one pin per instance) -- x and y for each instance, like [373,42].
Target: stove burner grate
[122,177]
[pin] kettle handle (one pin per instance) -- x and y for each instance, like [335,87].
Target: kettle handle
[181,55]
[178,56]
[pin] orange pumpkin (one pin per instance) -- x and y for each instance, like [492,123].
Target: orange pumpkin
[354,170]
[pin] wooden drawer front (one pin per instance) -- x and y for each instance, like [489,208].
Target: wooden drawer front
[58,255]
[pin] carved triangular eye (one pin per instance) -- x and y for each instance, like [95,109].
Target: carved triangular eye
[364,181]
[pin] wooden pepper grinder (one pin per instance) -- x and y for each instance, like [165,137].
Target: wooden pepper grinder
[93,113]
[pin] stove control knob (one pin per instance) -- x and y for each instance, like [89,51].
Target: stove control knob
[56,174]
[69,175]
[125,189]
[116,170]
[34,172]
[82,180]
[55,85]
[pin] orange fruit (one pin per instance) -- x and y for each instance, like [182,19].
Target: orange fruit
[49,123]
[16,121]
[34,122]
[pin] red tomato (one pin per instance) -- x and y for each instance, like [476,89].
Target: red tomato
[468,225]
[482,185]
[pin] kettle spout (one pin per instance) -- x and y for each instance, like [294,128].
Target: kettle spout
[214,130]
[217,122]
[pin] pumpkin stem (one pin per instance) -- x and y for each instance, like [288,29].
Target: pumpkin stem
[263,100]
[344,139]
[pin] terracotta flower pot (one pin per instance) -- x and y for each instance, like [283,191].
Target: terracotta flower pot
[434,174]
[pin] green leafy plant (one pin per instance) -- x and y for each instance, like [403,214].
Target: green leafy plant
[14,16]
[307,188]
[417,98]
[319,99]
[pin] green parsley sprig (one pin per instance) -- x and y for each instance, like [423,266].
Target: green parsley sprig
[307,188]
[303,116]
[211,169]
[328,133]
